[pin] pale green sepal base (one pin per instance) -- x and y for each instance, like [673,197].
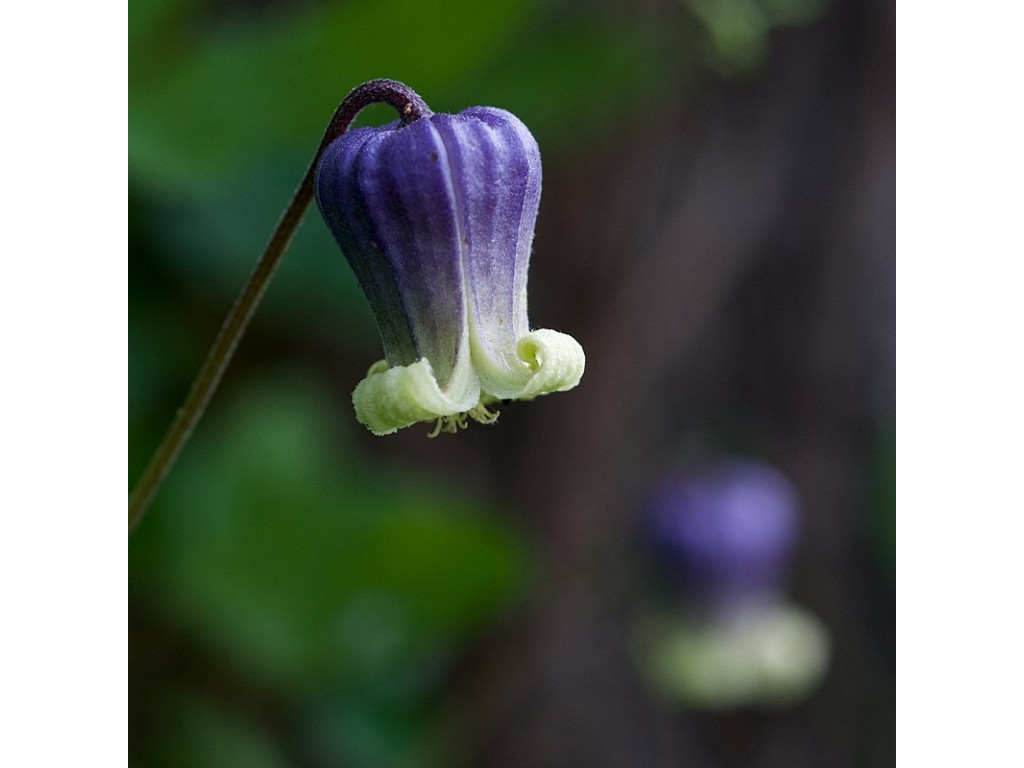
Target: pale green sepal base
[391,398]
[772,656]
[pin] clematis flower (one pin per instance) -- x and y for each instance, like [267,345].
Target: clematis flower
[436,217]
[725,534]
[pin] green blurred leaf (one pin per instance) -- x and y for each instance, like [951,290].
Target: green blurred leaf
[201,734]
[282,551]
[211,239]
[738,32]
[245,89]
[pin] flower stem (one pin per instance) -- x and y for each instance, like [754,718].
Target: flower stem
[410,107]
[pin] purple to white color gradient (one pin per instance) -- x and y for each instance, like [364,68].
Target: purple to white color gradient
[436,217]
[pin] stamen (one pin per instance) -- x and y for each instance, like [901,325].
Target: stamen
[456,421]
[482,415]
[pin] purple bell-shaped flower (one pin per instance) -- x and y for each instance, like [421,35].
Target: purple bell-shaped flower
[436,216]
[725,535]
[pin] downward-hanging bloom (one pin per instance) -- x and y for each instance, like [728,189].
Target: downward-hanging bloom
[436,216]
[726,534]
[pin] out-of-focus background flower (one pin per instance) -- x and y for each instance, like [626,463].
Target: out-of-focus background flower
[716,228]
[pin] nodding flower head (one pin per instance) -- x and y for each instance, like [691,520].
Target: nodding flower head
[436,217]
[726,532]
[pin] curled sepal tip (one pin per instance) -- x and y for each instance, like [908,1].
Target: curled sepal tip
[556,362]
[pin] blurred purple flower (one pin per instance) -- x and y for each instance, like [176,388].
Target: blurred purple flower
[436,216]
[726,532]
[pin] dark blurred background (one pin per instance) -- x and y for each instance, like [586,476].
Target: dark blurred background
[717,228]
